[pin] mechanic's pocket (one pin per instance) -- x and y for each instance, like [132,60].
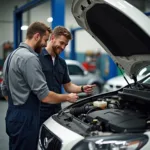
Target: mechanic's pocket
[59,76]
[14,123]
[47,72]
[13,128]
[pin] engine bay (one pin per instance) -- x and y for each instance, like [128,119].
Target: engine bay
[107,113]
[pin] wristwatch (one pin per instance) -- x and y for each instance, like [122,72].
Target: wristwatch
[82,89]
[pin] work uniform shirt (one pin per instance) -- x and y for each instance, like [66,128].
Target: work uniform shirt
[24,84]
[26,76]
[56,74]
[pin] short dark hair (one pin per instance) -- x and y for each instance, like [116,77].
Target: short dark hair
[37,27]
[60,30]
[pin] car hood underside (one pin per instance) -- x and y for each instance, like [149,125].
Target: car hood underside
[120,28]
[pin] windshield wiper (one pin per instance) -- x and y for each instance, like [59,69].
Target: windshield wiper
[145,85]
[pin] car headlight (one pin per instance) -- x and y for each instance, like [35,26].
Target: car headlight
[117,142]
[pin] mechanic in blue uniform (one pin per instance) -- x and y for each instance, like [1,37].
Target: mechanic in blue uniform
[24,86]
[56,71]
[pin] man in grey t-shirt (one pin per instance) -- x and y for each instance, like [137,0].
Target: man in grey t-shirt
[24,86]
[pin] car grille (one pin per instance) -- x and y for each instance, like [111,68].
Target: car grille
[48,140]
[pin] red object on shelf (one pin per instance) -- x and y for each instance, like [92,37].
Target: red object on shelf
[1,80]
[89,66]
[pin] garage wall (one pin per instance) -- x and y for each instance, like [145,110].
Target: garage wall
[41,13]
[6,20]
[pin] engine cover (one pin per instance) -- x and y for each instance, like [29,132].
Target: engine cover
[121,120]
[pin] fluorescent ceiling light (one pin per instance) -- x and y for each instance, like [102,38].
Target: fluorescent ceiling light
[50,19]
[24,27]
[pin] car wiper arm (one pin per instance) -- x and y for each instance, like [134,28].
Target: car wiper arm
[145,85]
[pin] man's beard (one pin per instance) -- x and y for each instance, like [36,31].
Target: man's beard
[38,50]
[38,47]
[55,50]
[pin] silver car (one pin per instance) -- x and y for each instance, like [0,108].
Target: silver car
[80,76]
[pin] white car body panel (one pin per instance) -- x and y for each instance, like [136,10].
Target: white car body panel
[118,82]
[113,83]
[68,137]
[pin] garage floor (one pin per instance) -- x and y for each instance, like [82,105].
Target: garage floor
[3,135]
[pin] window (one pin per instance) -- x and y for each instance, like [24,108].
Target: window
[75,70]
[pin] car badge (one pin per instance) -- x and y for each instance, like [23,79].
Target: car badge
[47,141]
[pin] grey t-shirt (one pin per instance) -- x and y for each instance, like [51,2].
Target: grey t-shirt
[25,75]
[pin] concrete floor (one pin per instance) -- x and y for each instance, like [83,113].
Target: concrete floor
[3,135]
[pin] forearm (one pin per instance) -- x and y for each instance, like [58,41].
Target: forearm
[54,98]
[72,88]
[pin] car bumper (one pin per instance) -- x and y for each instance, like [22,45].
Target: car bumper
[67,137]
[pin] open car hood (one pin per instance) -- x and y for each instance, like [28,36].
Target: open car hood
[120,28]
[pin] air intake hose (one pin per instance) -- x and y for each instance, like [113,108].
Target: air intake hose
[81,110]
